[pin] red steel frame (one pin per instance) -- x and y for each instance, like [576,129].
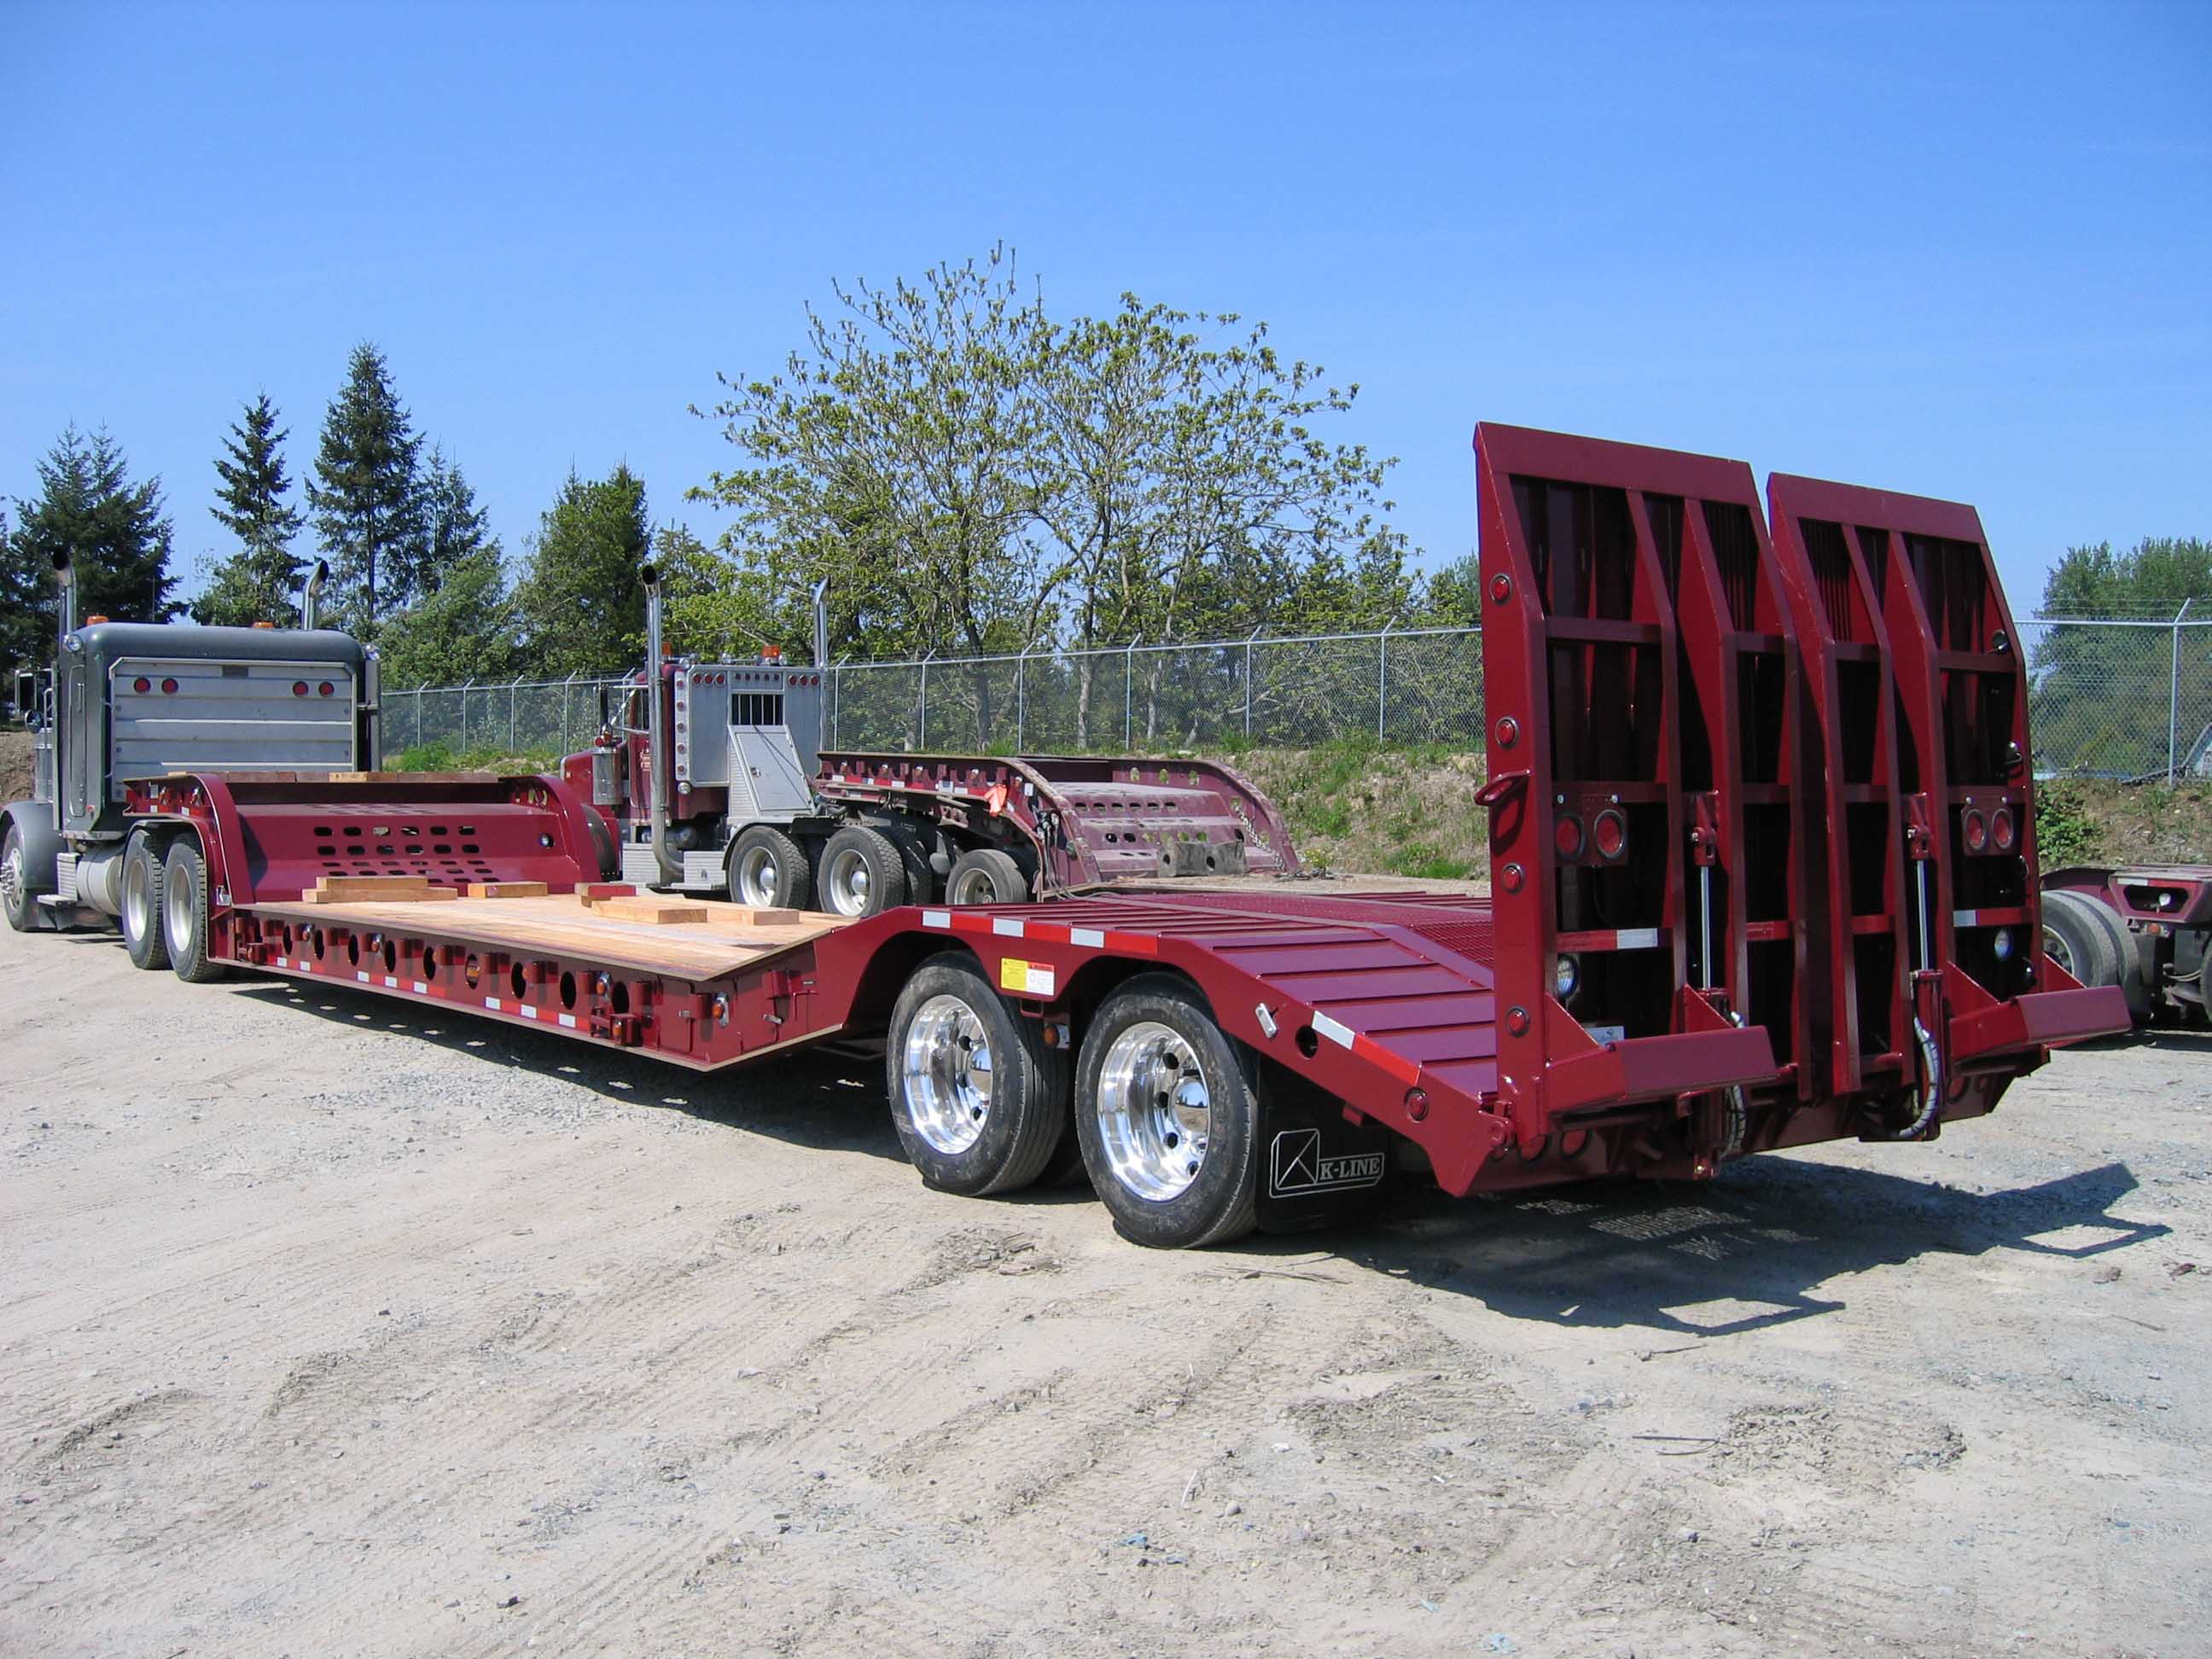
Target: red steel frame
[1649,653]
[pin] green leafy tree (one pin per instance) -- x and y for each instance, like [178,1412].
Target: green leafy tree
[2093,689]
[366,494]
[115,532]
[892,455]
[257,582]
[580,602]
[464,631]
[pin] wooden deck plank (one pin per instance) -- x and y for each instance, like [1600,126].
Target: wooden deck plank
[559,924]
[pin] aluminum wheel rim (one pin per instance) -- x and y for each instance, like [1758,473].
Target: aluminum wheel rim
[758,877]
[181,916]
[845,882]
[946,1071]
[972,886]
[1155,1113]
[11,876]
[137,917]
[2054,946]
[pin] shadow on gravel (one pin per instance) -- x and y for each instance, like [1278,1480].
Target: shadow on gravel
[816,1097]
[1744,1255]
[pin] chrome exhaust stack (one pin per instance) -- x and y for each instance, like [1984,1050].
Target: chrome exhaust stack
[313,591]
[656,726]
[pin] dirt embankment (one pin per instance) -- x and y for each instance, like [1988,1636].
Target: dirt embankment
[14,766]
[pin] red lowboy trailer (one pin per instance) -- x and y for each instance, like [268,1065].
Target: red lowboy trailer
[1763,852]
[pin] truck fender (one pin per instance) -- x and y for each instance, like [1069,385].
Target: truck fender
[42,841]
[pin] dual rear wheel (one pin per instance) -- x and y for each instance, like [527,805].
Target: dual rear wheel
[1159,1105]
[862,871]
[164,911]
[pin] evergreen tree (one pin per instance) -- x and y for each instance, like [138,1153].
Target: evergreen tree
[26,600]
[115,532]
[366,494]
[257,582]
[455,527]
[580,603]
[464,631]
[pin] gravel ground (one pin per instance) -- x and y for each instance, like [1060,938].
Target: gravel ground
[325,1331]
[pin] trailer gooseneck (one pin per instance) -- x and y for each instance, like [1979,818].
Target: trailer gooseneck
[1762,837]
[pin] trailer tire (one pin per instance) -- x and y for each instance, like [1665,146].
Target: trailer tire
[767,870]
[185,913]
[139,914]
[859,874]
[985,875]
[16,894]
[971,1128]
[2075,938]
[2127,958]
[1157,1073]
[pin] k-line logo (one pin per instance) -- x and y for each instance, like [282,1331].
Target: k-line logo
[1296,1164]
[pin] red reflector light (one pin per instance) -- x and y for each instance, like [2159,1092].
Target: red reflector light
[169,686]
[2002,830]
[1977,831]
[1609,835]
[298,688]
[1567,836]
[323,689]
[141,684]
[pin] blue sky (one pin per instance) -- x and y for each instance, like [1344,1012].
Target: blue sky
[1956,250]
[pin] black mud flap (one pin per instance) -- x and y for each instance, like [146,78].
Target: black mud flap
[1317,1169]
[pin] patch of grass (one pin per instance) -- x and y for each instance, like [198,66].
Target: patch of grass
[440,757]
[2064,832]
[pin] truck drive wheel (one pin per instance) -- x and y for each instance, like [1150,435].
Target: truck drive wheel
[986,876]
[979,1102]
[2076,940]
[859,874]
[1169,1122]
[185,913]
[140,917]
[15,895]
[767,870]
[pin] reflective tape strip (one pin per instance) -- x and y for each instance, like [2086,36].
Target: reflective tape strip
[306,967]
[1133,945]
[1965,918]
[1637,938]
[1397,1065]
[281,962]
[1340,1034]
[391,983]
[421,989]
[1012,929]
[363,978]
[937,918]
[492,1003]
[526,1011]
[1090,937]
[568,1020]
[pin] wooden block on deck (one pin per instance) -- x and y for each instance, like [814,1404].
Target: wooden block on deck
[591,892]
[507,890]
[738,917]
[646,908]
[371,890]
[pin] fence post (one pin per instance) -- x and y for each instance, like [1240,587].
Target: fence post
[1129,695]
[1021,694]
[1249,638]
[418,717]
[512,692]
[465,684]
[922,714]
[1382,674]
[2173,697]
[836,699]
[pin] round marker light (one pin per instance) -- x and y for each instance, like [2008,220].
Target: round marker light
[1566,977]
[298,688]
[2003,943]
[2002,830]
[1977,831]
[1609,835]
[325,688]
[1567,836]
[141,684]
[169,687]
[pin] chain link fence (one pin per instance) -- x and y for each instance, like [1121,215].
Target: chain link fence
[2107,699]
